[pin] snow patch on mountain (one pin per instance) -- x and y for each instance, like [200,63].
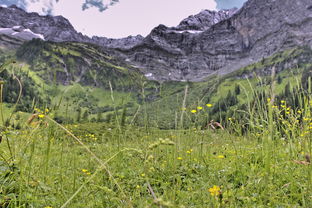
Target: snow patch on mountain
[189,31]
[20,32]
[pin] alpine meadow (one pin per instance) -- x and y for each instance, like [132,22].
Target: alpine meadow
[214,112]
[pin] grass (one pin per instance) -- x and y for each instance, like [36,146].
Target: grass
[67,99]
[179,167]
[260,159]
[268,164]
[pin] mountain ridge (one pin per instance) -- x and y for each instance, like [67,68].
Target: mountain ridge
[259,29]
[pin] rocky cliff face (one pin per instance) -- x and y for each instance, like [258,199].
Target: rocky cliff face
[17,23]
[51,28]
[204,20]
[259,29]
[125,43]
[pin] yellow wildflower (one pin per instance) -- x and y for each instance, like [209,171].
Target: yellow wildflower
[199,108]
[209,105]
[221,156]
[41,116]
[84,170]
[215,190]
[179,158]
[193,111]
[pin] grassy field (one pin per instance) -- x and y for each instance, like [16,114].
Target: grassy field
[108,165]
[158,146]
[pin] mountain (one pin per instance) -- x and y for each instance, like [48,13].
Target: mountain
[215,51]
[17,23]
[50,28]
[125,43]
[204,20]
[73,62]
[69,77]
[259,29]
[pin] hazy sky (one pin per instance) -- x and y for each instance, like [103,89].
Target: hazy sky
[120,18]
[227,4]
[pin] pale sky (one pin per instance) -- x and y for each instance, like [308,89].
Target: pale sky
[128,17]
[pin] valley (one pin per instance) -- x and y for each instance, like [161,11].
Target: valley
[215,112]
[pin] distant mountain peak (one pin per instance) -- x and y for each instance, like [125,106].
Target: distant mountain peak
[219,42]
[205,19]
[210,42]
[51,28]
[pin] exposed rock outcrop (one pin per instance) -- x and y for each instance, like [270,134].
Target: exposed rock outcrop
[52,28]
[204,20]
[259,29]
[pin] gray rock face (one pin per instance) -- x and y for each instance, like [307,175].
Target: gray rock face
[57,29]
[52,28]
[125,43]
[9,42]
[20,33]
[204,20]
[259,29]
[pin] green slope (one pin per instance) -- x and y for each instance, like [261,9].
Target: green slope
[291,68]
[72,79]
[68,77]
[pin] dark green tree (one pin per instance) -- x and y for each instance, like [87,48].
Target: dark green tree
[78,114]
[237,89]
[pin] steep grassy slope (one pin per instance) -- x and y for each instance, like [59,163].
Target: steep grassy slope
[231,93]
[66,63]
[73,80]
